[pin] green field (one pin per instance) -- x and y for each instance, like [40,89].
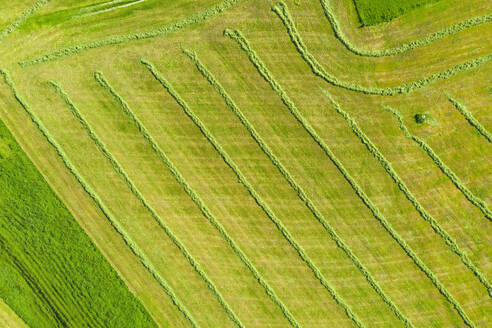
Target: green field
[247,163]
[372,12]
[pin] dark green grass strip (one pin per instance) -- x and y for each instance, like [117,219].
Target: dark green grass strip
[161,31]
[479,203]
[453,29]
[471,119]
[242,179]
[189,191]
[22,18]
[295,186]
[453,246]
[144,260]
[265,73]
[281,10]
[198,201]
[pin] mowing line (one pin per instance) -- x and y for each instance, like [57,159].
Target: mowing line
[295,186]
[453,29]
[470,118]
[122,173]
[161,31]
[453,246]
[242,179]
[197,200]
[22,18]
[475,200]
[265,73]
[194,196]
[281,10]
[95,197]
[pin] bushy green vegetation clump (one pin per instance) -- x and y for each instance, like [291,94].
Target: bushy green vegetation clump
[51,274]
[372,12]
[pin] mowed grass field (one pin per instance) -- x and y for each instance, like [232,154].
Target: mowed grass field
[259,178]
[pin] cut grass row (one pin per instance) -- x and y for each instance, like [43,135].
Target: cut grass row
[294,185]
[196,199]
[122,173]
[22,18]
[471,119]
[144,260]
[476,201]
[453,246]
[265,73]
[52,254]
[475,21]
[264,206]
[283,13]
[161,31]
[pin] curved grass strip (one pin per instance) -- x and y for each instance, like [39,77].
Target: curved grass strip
[453,246]
[281,10]
[482,206]
[144,260]
[453,29]
[161,31]
[242,179]
[265,73]
[22,18]
[197,200]
[296,187]
[121,172]
[472,120]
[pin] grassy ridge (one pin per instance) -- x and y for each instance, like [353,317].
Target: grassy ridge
[121,172]
[47,254]
[161,31]
[404,47]
[283,13]
[471,119]
[479,203]
[198,201]
[265,73]
[22,18]
[295,186]
[453,246]
[372,12]
[264,206]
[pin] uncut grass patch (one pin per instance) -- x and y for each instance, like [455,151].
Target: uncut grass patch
[372,12]
[51,274]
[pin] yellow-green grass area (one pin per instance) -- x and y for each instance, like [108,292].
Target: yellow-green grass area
[9,318]
[451,137]
[9,13]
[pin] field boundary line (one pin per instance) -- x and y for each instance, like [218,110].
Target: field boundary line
[160,31]
[265,73]
[283,13]
[136,192]
[470,118]
[242,179]
[453,246]
[196,199]
[295,186]
[22,18]
[144,260]
[479,203]
[404,47]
